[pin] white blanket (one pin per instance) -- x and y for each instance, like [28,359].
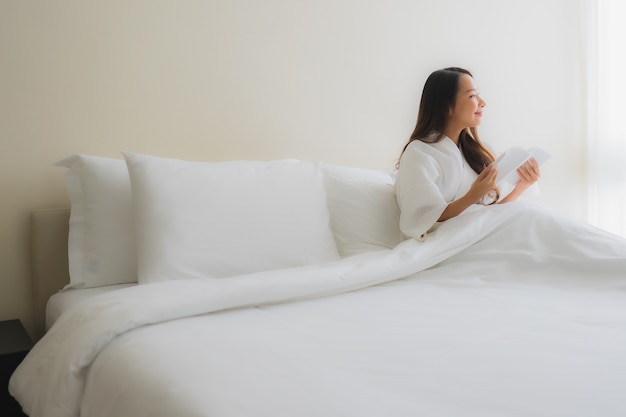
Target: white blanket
[509,248]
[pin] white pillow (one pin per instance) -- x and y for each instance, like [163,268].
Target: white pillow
[364,213]
[221,219]
[101,245]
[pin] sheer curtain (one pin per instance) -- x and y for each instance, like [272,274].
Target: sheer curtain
[606,59]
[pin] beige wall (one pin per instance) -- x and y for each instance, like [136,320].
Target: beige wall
[333,80]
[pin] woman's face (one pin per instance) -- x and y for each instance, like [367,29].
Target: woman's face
[468,109]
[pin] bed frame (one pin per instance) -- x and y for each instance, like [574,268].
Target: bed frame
[49,231]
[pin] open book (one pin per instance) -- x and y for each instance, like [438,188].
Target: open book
[508,162]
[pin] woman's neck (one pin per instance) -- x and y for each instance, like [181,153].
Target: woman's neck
[453,133]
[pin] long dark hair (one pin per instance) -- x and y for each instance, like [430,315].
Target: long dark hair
[438,96]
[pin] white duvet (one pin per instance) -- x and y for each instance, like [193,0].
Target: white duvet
[510,310]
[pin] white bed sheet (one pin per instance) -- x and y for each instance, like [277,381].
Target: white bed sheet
[506,311]
[422,346]
[70,297]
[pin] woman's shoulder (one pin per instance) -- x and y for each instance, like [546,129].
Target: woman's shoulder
[443,146]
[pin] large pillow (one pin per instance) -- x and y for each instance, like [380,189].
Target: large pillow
[364,213]
[197,219]
[101,245]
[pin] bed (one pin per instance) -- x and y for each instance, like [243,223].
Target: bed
[285,288]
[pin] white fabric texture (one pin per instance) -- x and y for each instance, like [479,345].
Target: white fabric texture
[66,299]
[364,213]
[198,219]
[517,311]
[429,177]
[101,245]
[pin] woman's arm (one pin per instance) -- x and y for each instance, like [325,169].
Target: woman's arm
[484,183]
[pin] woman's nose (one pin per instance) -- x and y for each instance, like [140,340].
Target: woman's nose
[481,102]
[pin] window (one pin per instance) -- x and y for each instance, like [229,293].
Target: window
[606,57]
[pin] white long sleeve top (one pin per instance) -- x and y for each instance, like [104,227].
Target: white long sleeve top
[430,176]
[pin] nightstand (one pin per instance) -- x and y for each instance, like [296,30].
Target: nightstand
[14,345]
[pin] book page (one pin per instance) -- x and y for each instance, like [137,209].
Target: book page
[508,162]
[539,154]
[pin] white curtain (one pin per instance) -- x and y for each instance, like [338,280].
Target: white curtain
[606,58]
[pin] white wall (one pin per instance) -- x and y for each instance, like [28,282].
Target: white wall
[333,80]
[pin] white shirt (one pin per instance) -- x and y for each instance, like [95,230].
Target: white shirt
[430,176]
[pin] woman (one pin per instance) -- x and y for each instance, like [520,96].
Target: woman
[444,169]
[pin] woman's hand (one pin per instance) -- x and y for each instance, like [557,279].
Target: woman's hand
[484,183]
[529,174]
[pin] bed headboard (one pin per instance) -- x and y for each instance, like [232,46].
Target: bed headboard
[49,263]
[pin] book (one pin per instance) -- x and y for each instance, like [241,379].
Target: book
[513,158]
